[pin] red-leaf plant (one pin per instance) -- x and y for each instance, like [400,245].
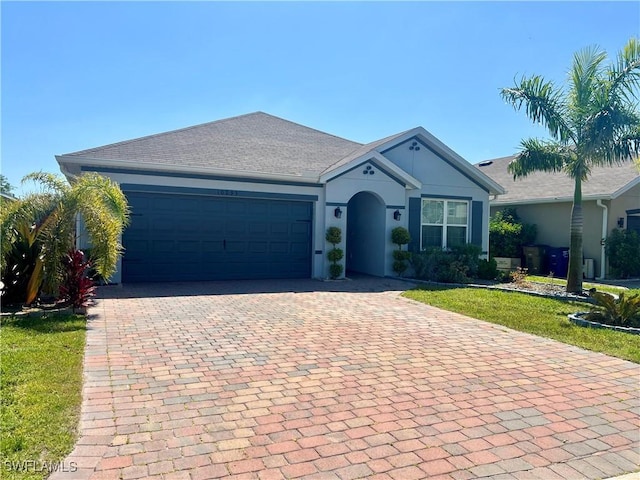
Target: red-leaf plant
[76,287]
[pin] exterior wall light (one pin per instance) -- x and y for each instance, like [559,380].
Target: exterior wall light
[397,215]
[620,222]
[337,212]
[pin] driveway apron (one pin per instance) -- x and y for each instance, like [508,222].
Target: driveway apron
[338,380]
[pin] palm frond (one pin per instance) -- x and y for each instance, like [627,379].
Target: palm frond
[624,76]
[540,156]
[584,75]
[105,212]
[609,136]
[544,104]
[48,181]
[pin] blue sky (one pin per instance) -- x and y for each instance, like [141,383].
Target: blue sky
[77,75]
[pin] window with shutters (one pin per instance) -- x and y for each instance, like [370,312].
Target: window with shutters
[444,223]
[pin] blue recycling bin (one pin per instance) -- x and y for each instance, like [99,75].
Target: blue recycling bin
[558,261]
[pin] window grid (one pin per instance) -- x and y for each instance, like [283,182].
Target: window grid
[444,223]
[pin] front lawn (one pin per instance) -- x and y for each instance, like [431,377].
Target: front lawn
[40,392]
[586,285]
[540,316]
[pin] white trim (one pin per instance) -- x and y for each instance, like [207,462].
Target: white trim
[569,199]
[627,187]
[445,224]
[411,181]
[605,230]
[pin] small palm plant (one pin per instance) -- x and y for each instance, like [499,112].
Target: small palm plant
[623,311]
[45,223]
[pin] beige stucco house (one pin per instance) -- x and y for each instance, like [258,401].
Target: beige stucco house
[611,199]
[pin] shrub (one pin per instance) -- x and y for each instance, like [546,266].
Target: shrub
[623,311]
[335,255]
[334,237]
[507,234]
[519,277]
[623,252]
[487,269]
[400,236]
[76,287]
[335,270]
[21,261]
[458,265]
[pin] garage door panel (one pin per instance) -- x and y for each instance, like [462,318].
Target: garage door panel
[258,228]
[236,227]
[279,228]
[191,237]
[258,247]
[237,208]
[301,210]
[258,208]
[300,228]
[299,248]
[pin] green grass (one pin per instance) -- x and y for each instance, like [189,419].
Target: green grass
[587,285]
[540,316]
[40,392]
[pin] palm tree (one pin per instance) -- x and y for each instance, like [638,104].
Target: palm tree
[593,122]
[42,227]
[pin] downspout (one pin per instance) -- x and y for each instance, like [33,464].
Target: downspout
[605,222]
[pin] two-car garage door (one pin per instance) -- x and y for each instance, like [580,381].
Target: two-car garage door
[176,237]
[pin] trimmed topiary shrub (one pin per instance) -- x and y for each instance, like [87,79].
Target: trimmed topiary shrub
[400,236]
[334,237]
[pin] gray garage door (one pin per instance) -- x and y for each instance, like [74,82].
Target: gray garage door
[192,237]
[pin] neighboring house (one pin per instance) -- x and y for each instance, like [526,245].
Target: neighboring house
[8,197]
[611,199]
[252,197]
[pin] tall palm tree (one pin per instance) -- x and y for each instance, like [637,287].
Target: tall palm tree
[42,226]
[593,121]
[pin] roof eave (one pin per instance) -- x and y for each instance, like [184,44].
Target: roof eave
[65,161]
[535,201]
[626,188]
[410,181]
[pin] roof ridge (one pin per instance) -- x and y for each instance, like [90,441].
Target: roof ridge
[160,134]
[200,125]
[311,128]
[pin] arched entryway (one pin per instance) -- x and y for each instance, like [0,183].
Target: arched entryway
[365,234]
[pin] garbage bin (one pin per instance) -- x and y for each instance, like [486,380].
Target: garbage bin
[588,270]
[534,256]
[558,261]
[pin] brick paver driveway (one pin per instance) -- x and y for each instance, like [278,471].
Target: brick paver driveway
[339,380]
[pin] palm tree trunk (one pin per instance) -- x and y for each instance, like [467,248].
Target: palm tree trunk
[574,276]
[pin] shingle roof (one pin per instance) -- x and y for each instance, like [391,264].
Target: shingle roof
[603,182]
[256,142]
[363,150]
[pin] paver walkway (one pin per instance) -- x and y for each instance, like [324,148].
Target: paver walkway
[339,380]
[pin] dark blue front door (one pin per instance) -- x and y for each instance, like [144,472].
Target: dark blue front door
[192,237]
